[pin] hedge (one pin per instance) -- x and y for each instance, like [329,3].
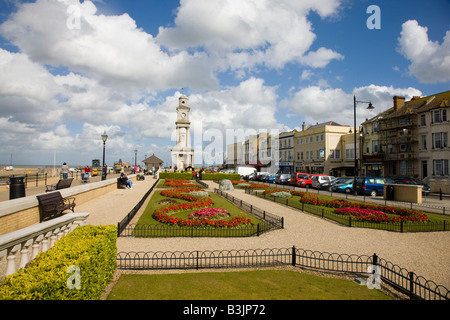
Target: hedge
[220,176]
[176,175]
[92,249]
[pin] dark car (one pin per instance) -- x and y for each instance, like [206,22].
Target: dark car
[282,178]
[408,180]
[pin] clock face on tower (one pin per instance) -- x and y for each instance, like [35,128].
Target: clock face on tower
[183,115]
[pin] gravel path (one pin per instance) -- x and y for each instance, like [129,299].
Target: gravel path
[426,254]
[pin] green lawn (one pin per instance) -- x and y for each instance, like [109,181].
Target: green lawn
[244,285]
[148,226]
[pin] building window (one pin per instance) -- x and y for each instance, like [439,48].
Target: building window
[350,153]
[322,137]
[440,140]
[439,115]
[423,121]
[423,142]
[375,146]
[375,127]
[440,167]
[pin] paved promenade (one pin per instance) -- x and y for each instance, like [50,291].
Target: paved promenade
[426,254]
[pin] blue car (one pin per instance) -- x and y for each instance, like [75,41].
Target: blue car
[343,185]
[372,186]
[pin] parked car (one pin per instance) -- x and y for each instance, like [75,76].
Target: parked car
[407,180]
[297,177]
[269,178]
[372,186]
[321,182]
[343,185]
[283,178]
[258,176]
[305,180]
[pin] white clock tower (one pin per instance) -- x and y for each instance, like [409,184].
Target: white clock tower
[183,154]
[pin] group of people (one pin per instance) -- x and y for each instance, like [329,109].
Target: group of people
[123,177]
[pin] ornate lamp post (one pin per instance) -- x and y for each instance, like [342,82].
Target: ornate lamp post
[135,157]
[370,107]
[104,138]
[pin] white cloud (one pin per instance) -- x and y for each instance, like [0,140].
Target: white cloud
[319,104]
[430,61]
[110,48]
[245,34]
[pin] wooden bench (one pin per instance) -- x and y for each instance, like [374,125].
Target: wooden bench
[62,184]
[53,204]
[120,184]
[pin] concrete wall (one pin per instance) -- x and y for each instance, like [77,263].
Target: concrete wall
[405,192]
[24,212]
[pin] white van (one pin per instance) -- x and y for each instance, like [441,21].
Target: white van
[245,171]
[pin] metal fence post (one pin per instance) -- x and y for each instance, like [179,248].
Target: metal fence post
[411,284]
[293,257]
[350,221]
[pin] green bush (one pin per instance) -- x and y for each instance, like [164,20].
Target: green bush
[221,176]
[92,249]
[176,175]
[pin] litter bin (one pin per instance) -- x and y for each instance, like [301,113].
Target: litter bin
[389,192]
[16,187]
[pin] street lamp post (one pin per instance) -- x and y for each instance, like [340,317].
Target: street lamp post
[135,157]
[104,138]
[370,107]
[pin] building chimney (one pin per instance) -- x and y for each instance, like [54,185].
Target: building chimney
[398,102]
[303,126]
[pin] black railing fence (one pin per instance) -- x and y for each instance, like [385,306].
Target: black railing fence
[328,213]
[408,283]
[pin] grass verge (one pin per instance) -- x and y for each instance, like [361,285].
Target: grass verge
[243,285]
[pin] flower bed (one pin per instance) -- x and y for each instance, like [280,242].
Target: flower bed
[245,184]
[403,214]
[206,217]
[209,214]
[179,183]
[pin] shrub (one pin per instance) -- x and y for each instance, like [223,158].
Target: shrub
[281,194]
[90,248]
[220,176]
[176,175]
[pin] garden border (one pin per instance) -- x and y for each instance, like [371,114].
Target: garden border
[349,222]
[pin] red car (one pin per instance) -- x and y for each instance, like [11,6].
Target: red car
[296,177]
[304,180]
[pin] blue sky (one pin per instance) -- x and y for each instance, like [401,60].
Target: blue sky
[71,70]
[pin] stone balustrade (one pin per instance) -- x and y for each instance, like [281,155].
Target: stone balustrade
[18,248]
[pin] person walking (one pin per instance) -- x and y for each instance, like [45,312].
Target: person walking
[65,171]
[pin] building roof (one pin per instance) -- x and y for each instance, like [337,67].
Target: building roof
[328,123]
[417,104]
[153,159]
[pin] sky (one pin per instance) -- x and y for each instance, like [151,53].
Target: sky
[71,70]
